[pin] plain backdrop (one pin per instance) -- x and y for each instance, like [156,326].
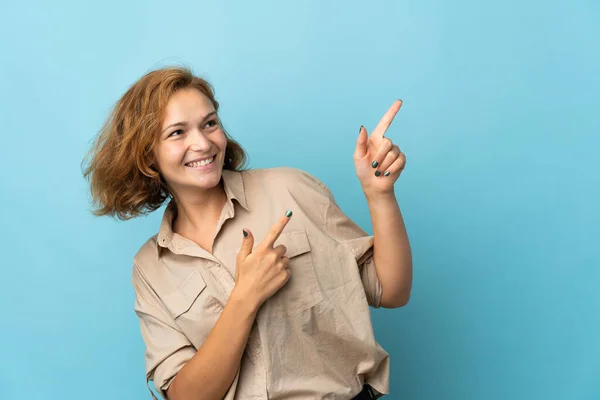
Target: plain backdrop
[500,126]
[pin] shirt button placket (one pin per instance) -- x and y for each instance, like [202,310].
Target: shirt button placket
[253,345]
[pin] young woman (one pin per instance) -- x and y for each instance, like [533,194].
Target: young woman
[256,285]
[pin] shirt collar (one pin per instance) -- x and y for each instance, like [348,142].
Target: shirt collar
[234,189]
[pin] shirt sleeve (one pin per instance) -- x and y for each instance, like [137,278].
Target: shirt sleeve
[344,230]
[167,349]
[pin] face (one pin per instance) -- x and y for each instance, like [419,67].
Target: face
[191,146]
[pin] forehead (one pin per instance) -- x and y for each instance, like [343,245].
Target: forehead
[187,104]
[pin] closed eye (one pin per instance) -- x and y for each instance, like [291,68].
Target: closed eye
[175,133]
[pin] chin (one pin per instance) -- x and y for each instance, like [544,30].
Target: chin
[206,180]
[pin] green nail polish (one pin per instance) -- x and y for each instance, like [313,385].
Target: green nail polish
[360,129]
[377,173]
[374,164]
[387,173]
[245,233]
[288,213]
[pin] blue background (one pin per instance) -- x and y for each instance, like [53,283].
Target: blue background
[500,126]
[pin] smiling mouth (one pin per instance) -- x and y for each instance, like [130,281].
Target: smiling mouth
[200,163]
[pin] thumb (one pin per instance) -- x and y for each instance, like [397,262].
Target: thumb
[361,143]
[247,244]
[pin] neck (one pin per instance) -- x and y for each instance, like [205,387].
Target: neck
[198,209]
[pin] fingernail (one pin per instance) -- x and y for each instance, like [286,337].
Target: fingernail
[245,233]
[387,173]
[360,129]
[377,173]
[288,213]
[374,164]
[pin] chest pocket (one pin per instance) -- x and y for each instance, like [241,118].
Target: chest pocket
[193,308]
[302,291]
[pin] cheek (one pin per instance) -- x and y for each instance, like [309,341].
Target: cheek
[167,156]
[221,141]
[173,154]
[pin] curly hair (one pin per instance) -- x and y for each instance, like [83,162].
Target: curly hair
[124,180]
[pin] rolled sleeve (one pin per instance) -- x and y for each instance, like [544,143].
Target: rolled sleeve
[371,283]
[344,230]
[167,349]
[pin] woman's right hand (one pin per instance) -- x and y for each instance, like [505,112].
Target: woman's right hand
[261,272]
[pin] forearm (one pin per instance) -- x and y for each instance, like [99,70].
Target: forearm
[392,253]
[209,374]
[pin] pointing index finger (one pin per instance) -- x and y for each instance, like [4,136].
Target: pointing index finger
[277,229]
[386,120]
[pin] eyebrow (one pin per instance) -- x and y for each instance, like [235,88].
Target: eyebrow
[183,123]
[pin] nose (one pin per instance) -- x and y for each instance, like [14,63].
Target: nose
[198,141]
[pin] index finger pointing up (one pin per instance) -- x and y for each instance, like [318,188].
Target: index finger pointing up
[386,120]
[276,229]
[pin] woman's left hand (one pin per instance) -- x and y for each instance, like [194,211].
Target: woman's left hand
[378,161]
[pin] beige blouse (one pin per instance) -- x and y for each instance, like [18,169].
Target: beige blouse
[313,339]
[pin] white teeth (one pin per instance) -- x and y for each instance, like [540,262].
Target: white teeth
[202,163]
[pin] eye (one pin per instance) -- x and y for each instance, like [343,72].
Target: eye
[212,123]
[175,133]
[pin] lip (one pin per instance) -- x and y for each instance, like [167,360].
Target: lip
[200,159]
[203,167]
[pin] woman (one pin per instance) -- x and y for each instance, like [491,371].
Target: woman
[256,285]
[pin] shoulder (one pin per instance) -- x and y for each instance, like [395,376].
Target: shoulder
[145,257]
[289,179]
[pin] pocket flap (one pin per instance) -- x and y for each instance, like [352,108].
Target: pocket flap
[296,243]
[180,301]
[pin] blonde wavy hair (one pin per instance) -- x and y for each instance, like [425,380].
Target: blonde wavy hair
[124,180]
